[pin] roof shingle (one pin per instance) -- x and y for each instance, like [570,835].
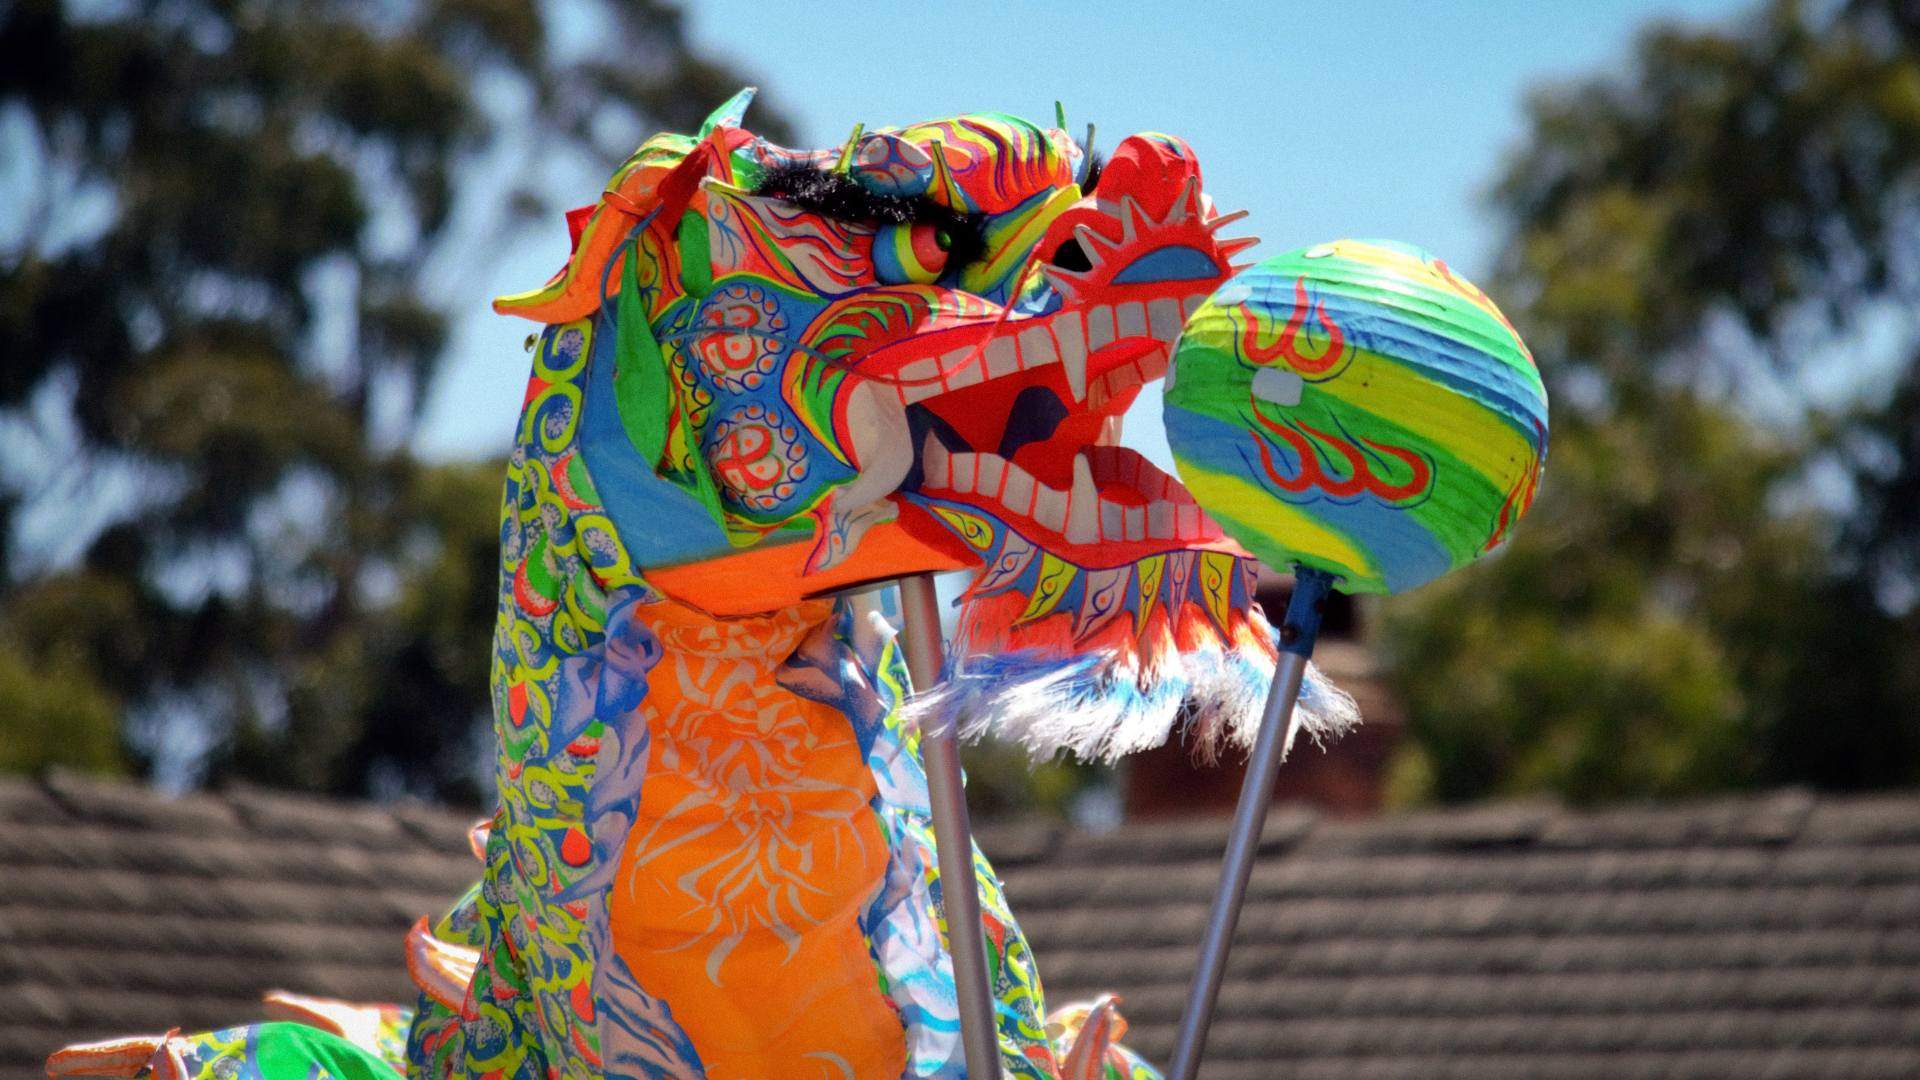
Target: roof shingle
[1755,937]
[1774,935]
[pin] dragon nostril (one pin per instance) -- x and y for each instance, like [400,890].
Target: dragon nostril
[1071,256]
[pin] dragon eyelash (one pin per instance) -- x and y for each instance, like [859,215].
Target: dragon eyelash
[840,197]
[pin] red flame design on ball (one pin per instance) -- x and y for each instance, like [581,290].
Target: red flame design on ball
[1288,345]
[1519,498]
[1360,476]
[1480,299]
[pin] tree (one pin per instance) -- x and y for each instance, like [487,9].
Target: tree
[1716,587]
[218,330]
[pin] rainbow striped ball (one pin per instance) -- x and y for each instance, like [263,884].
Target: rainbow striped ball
[1359,408]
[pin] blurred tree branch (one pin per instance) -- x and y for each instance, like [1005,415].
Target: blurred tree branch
[219,328]
[1716,587]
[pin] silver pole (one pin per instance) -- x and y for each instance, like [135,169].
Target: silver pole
[953,838]
[1279,723]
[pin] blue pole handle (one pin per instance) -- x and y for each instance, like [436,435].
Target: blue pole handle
[1299,630]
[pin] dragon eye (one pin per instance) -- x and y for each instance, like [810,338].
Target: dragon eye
[914,253]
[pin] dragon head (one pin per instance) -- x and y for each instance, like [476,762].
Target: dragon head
[816,369]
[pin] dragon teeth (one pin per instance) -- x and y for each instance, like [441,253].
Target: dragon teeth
[1083,504]
[1080,514]
[1189,523]
[1100,333]
[1067,339]
[1036,348]
[936,467]
[1018,494]
[1050,508]
[1003,358]
[960,470]
[1160,520]
[966,375]
[993,471]
[1163,317]
[1075,368]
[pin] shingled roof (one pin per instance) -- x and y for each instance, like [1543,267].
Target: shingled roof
[1773,936]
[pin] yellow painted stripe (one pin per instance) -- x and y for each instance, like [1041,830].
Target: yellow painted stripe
[1288,526]
[1467,429]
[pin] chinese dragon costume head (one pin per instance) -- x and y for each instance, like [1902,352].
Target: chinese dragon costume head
[765,378]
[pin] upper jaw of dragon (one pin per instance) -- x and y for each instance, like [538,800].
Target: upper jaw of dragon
[1102,351]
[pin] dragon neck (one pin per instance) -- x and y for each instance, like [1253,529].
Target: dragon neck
[681,833]
[762,641]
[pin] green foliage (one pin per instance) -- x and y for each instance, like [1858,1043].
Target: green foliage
[1730,216]
[58,710]
[57,716]
[231,212]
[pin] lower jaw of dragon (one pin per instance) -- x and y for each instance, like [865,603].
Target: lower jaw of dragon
[1117,497]
[1118,506]
[1073,339]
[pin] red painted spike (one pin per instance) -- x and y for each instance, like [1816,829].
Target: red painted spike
[477,836]
[1230,248]
[1186,207]
[1221,221]
[1133,220]
[126,1056]
[1096,246]
[1067,283]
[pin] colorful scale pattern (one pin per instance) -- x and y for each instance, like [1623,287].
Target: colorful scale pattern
[1360,408]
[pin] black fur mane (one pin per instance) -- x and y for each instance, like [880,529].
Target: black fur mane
[839,196]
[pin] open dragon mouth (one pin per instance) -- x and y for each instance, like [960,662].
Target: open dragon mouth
[1025,428]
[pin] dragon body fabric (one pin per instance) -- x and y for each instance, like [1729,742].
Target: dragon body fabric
[767,377]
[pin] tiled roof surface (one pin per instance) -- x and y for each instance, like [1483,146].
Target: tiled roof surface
[124,912]
[1760,937]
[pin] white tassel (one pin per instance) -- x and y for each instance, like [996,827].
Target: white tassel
[1101,709]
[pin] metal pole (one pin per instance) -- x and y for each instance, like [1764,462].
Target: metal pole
[1278,726]
[953,838]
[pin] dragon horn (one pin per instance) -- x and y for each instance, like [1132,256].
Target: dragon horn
[846,153]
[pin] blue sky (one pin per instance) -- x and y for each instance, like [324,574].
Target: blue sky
[1324,120]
